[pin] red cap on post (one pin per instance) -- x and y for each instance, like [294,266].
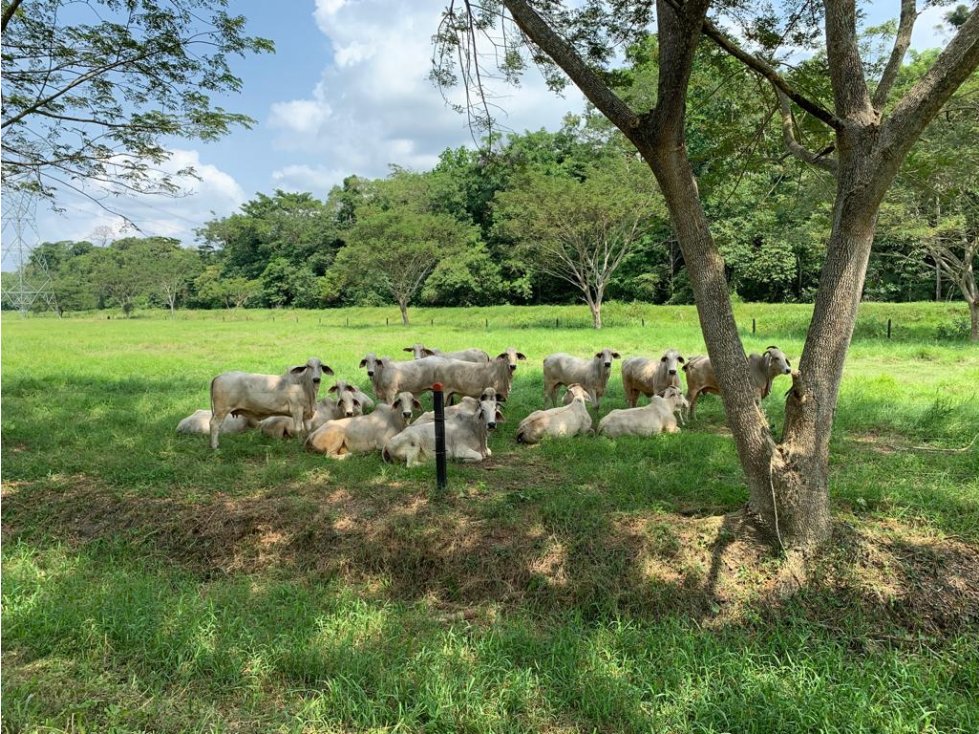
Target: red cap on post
[437,387]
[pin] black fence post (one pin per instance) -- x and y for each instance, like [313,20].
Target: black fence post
[438,398]
[752,326]
[888,328]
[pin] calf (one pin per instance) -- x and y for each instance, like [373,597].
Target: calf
[339,438]
[260,396]
[568,420]
[657,417]
[592,374]
[762,369]
[467,403]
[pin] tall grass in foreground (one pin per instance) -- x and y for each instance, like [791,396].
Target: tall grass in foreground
[150,584]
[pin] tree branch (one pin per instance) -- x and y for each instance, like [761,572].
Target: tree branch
[564,55]
[845,65]
[794,146]
[901,42]
[778,81]
[9,13]
[923,101]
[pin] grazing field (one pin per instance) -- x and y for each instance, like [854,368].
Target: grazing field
[151,584]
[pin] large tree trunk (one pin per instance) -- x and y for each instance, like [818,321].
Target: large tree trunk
[795,506]
[404,312]
[788,483]
[974,313]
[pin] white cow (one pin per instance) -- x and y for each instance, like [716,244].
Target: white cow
[568,420]
[200,422]
[466,436]
[592,374]
[419,351]
[260,396]
[364,433]
[762,369]
[390,378]
[642,376]
[657,417]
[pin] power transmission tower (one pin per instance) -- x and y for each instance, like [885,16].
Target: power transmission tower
[20,237]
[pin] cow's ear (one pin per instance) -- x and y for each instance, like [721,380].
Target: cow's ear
[521,356]
[599,354]
[681,360]
[350,388]
[500,418]
[500,398]
[502,355]
[616,355]
[363,362]
[415,404]
[663,358]
[407,349]
[428,352]
[356,403]
[327,370]
[332,389]
[299,369]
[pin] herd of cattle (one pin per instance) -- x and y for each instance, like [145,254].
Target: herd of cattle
[338,425]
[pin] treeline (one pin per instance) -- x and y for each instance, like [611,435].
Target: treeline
[544,217]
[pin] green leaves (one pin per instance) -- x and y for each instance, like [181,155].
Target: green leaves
[89,99]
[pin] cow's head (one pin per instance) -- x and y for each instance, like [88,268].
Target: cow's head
[510,356]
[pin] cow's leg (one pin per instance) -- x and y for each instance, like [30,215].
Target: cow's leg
[217,418]
[692,399]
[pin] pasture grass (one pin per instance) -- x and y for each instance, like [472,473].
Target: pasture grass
[150,584]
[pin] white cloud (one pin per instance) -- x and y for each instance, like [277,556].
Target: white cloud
[216,191]
[315,179]
[374,104]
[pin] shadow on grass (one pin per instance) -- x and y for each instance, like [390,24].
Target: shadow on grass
[570,526]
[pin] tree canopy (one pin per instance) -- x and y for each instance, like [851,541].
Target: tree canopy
[91,89]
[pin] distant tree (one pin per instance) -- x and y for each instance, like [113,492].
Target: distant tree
[285,284]
[172,270]
[470,278]
[91,90]
[121,272]
[935,206]
[401,233]
[580,230]
[400,248]
[296,228]
[212,290]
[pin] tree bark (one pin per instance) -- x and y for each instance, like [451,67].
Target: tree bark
[974,313]
[404,313]
[596,313]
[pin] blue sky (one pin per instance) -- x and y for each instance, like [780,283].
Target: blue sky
[345,93]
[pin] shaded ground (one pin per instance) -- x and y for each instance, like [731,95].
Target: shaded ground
[465,557]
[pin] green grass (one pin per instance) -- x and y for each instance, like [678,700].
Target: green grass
[150,584]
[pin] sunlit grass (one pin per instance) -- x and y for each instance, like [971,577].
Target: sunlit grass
[150,584]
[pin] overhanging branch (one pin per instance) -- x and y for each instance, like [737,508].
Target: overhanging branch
[777,80]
